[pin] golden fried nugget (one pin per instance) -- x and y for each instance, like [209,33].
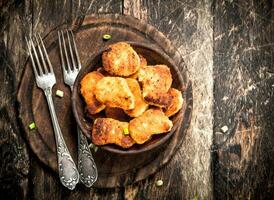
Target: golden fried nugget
[152,121]
[157,77]
[114,92]
[156,81]
[176,102]
[88,84]
[111,131]
[121,60]
[140,105]
[116,113]
[159,99]
[143,63]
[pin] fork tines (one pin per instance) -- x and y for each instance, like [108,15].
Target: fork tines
[68,46]
[38,55]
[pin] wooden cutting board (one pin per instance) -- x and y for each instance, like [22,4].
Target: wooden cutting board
[114,170]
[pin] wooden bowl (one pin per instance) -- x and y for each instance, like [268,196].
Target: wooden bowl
[153,56]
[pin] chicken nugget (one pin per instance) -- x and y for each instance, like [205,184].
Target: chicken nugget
[152,121]
[111,131]
[143,63]
[176,102]
[159,99]
[121,60]
[156,81]
[140,105]
[88,84]
[114,92]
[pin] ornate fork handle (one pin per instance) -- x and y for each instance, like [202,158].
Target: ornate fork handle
[86,165]
[68,173]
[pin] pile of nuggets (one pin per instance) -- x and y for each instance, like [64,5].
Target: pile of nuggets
[137,98]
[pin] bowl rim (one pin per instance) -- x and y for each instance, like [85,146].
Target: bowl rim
[88,68]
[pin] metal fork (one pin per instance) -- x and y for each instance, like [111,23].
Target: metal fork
[71,65]
[45,79]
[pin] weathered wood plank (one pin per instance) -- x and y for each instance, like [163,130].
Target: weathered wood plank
[243,73]
[188,24]
[137,9]
[14,165]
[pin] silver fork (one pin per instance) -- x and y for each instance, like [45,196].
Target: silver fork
[45,79]
[71,65]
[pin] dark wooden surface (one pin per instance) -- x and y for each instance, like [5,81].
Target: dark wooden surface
[228,48]
[114,169]
[244,101]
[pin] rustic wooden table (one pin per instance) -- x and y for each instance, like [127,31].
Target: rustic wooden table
[228,47]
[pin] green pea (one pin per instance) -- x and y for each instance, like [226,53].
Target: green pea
[32,126]
[126,131]
[159,183]
[106,36]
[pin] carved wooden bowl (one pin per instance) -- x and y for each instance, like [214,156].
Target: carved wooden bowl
[153,56]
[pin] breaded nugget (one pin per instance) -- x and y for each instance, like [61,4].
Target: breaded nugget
[111,131]
[159,99]
[156,81]
[88,84]
[114,92]
[116,113]
[176,102]
[140,105]
[143,63]
[152,121]
[157,77]
[121,60]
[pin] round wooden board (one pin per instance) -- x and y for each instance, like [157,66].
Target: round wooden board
[114,170]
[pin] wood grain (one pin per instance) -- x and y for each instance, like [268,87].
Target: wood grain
[243,61]
[14,154]
[188,24]
[231,37]
[136,9]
